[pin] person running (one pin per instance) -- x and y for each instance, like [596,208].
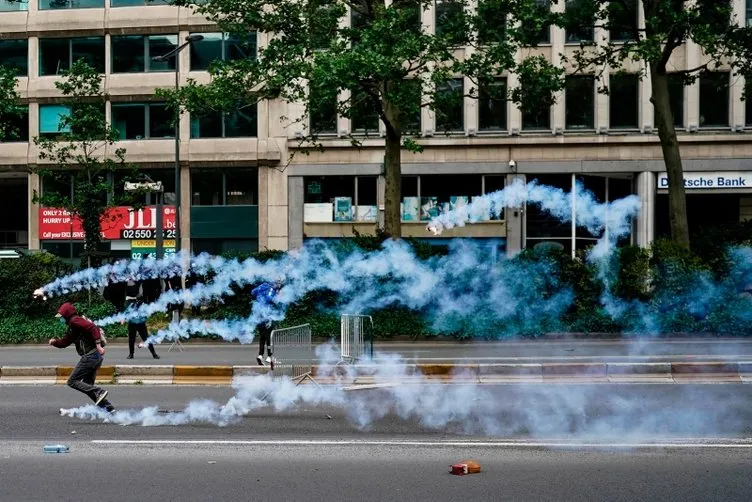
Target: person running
[265,295]
[136,325]
[85,335]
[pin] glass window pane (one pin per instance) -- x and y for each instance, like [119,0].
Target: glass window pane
[580,21]
[623,101]
[160,121]
[49,119]
[540,223]
[323,189]
[127,54]
[622,20]
[242,123]
[364,118]
[493,27]
[129,120]
[492,106]
[241,187]
[206,51]
[206,187]
[14,54]
[137,3]
[12,5]
[714,99]
[70,4]
[240,47]
[445,188]
[160,45]
[54,55]
[411,120]
[206,126]
[17,125]
[450,21]
[59,184]
[494,183]
[367,190]
[580,102]
[676,97]
[167,177]
[450,110]
[537,121]
[91,50]
[323,111]
[535,29]
[409,186]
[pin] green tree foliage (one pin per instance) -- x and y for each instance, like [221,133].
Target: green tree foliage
[9,99]
[383,66]
[84,154]
[725,43]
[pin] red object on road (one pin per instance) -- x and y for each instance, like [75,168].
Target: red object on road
[465,467]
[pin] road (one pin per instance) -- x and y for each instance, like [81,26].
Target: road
[609,442]
[533,351]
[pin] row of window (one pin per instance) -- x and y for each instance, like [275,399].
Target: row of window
[130,53]
[579,102]
[23,5]
[209,187]
[354,198]
[136,121]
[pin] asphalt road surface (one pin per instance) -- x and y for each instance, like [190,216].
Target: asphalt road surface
[646,350]
[561,442]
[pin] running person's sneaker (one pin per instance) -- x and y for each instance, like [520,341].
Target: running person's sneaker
[100,397]
[268,359]
[260,360]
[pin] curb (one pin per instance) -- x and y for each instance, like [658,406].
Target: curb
[662,372]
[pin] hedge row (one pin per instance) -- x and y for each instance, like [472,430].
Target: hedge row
[658,289]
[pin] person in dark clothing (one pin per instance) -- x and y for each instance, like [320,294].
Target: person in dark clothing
[136,325]
[85,335]
[152,288]
[265,296]
[114,293]
[175,283]
[191,280]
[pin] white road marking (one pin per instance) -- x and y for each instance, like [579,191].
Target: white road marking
[729,443]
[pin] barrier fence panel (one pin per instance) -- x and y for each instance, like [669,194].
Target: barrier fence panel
[292,353]
[355,332]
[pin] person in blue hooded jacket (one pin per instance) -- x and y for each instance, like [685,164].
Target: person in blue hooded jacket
[265,294]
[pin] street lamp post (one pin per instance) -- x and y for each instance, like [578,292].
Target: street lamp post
[164,57]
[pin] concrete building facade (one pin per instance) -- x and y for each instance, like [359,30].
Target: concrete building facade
[246,186]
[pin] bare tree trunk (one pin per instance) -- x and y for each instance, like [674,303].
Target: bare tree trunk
[393,189]
[677,200]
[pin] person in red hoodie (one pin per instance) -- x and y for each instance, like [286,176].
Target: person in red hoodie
[85,335]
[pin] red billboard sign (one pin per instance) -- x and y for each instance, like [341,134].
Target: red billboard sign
[118,223]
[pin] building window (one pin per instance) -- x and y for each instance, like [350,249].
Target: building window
[56,55]
[411,119]
[622,20]
[142,120]
[50,117]
[12,5]
[676,98]
[714,99]
[580,102]
[70,4]
[494,25]
[363,116]
[14,54]
[224,187]
[242,123]
[492,104]
[17,126]
[340,198]
[424,197]
[580,21]
[221,47]
[536,30]
[537,120]
[134,53]
[137,3]
[450,109]
[749,13]
[624,101]
[450,21]
[322,111]
[165,176]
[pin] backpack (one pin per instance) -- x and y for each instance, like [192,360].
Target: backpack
[102,338]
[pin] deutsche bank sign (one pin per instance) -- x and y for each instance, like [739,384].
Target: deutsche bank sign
[705,180]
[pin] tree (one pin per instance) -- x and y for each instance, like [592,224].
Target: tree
[77,156]
[9,98]
[381,67]
[669,25]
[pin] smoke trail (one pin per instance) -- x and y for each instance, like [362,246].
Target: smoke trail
[595,216]
[540,411]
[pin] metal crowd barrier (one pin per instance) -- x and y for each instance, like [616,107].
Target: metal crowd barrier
[176,343]
[355,331]
[292,353]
